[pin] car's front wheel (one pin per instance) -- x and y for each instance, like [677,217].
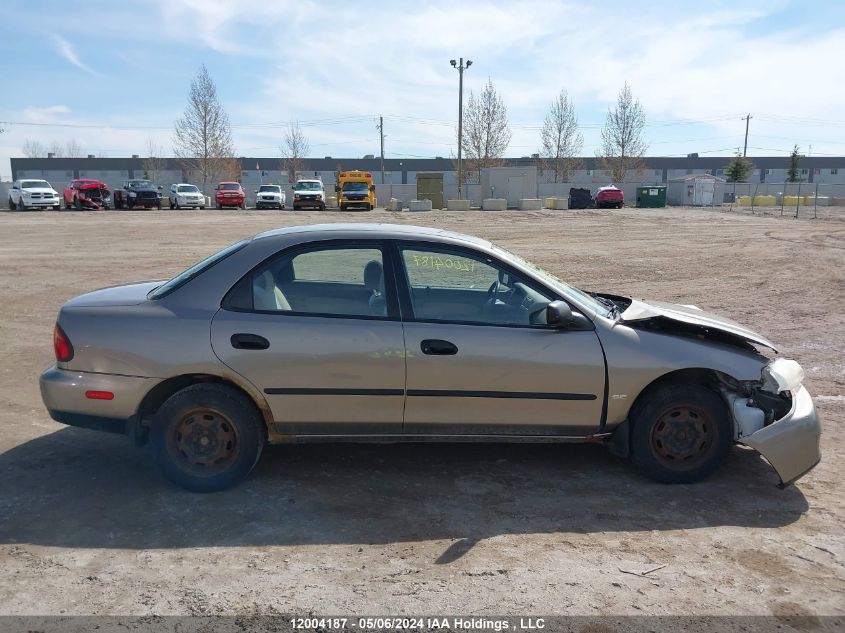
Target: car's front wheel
[207,437]
[681,433]
[11,204]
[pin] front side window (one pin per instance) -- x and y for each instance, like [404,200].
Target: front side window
[328,281]
[451,285]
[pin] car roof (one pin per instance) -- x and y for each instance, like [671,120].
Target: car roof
[373,229]
[228,182]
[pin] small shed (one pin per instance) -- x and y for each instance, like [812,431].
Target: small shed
[696,190]
[430,187]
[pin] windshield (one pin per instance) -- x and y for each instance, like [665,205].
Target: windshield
[230,186]
[137,184]
[270,188]
[184,277]
[355,186]
[35,184]
[308,185]
[558,284]
[187,189]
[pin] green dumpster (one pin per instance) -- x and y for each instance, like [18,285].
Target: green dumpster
[651,197]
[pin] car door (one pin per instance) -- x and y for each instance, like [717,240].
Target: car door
[315,331]
[480,359]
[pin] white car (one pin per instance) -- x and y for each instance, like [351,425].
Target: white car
[183,194]
[33,194]
[309,193]
[269,197]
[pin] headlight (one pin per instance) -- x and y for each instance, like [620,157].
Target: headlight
[26,194]
[132,194]
[782,374]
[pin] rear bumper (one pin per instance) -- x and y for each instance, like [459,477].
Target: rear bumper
[63,393]
[229,202]
[792,444]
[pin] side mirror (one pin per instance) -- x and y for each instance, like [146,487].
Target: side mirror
[558,314]
[336,189]
[255,191]
[160,188]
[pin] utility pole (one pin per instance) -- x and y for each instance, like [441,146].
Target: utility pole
[381,134]
[460,67]
[745,147]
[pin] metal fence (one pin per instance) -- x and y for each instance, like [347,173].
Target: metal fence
[800,199]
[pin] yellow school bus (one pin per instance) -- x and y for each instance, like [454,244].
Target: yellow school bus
[355,189]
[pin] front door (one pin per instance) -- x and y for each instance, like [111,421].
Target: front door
[480,359]
[315,331]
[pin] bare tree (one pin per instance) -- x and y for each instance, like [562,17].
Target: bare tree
[560,140]
[73,149]
[33,149]
[294,149]
[622,144]
[154,165]
[203,136]
[486,133]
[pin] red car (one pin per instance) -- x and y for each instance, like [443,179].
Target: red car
[229,194]
[609,197]
[86,193]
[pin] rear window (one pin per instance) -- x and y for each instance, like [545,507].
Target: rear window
[184,277]
[230,187]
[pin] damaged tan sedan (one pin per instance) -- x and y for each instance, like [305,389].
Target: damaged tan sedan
[357,332]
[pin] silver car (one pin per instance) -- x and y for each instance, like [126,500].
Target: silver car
[372,332]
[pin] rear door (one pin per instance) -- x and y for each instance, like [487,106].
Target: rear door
[315,330]
[480,360]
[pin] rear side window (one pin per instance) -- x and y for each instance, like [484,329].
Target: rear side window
[326,281]
[184,277]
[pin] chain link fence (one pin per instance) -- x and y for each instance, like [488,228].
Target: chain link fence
[799,199]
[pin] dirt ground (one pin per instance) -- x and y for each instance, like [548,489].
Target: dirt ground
[89,526]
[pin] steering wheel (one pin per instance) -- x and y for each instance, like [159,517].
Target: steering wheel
[492,292]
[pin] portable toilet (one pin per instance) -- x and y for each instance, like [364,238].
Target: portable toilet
[651,196]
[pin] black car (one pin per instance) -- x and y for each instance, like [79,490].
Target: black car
[137,193]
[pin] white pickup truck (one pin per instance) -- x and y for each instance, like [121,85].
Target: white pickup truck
[33,194]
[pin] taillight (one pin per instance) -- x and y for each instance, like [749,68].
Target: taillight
[61,345]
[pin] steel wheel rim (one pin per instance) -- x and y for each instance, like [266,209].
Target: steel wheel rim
[204,442]
[683,437]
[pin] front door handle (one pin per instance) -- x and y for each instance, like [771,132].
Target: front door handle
[437,347]
[249,341]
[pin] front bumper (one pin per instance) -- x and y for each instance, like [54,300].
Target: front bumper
[41,202]
[63,393]
[792,444]
[277,202]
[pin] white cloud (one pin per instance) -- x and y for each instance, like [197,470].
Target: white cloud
[46,114]
[67,51]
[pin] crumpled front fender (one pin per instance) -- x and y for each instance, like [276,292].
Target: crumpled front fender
[792,444]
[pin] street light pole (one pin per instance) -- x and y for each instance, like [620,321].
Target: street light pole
[460,67]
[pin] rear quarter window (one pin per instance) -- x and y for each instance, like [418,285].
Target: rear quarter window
[197,269]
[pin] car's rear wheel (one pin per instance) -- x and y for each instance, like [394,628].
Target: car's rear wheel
[207,437]
[681,433]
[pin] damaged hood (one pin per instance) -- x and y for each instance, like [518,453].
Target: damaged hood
[640,310]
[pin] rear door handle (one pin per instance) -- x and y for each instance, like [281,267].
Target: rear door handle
[249,341]
[437,347]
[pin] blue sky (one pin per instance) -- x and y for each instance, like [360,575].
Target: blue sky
[114,76]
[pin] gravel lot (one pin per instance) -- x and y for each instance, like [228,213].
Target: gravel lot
[88,526]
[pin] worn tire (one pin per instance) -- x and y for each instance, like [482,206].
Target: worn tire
[676,419]
[242,441]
